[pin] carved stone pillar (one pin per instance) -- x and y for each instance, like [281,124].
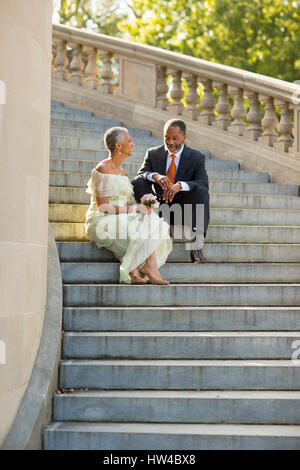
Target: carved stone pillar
[238,112]
[161,87]
[91,69]
[192,98]
[285,126]
[223,107]
[177,93]
[61,61]
[106,74]
[76,65]
[208,103]
[269,122]
[254,117]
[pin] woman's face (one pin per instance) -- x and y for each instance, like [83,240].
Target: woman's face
[126,145]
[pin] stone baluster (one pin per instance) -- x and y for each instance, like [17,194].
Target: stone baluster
[91,69]
[161,87]
[254,117]
[106,74]
[54,51]
[192,98]
[76,65]
[223,107]
[208,103]
[285,126]
[269,122]
[177,93]
[61,60]
[238,112]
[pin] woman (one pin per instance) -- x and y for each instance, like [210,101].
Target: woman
[135,234]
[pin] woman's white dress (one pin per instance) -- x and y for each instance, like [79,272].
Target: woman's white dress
[131,237]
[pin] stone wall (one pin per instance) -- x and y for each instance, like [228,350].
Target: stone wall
[25,51]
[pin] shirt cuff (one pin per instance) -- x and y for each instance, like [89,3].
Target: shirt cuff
[149,176]
[184,186]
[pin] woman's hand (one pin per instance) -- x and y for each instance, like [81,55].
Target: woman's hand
[141,208]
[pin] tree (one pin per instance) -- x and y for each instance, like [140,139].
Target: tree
[262,36]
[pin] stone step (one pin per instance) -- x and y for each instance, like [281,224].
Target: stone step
[139,135]
[179,374]
[87,154]
[76,141]
[193,295]
[218,216]
[93,126]
[214,252]
[189,273]
[75,232]
[72,116]
[60,108]
[153,406]
[180,345]
[69,195]
[146,436]
[181,318]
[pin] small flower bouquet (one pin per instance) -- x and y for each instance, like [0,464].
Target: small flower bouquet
[150,200]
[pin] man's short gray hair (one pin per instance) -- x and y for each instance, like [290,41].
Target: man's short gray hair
[112,136]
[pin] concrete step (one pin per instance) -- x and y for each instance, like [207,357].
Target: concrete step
[180,345]
[82,116]
[139,135]
[214,252]
[91,127]
[226,216]
[179,374]
[86,166]
[69,195]
[146,436]
[152,406]
[60,108]
[189,273]
[97,143]
[87,154]
[75,232]
[181,318]
[193,295]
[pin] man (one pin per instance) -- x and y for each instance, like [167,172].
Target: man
[177,175]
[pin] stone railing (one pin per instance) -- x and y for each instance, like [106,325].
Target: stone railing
[252,106]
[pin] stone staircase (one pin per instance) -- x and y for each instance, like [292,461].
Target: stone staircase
[205,363]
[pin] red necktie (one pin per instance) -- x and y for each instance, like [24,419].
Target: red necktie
[172,170]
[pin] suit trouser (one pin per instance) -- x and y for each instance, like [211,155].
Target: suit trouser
[196,212]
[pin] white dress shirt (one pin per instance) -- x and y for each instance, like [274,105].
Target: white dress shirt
[184,185]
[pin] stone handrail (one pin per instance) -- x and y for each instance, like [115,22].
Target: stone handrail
[85,59]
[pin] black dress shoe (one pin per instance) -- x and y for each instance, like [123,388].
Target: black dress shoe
[197,256]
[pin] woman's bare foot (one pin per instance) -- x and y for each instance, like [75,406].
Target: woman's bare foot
[153,275]
[136,278]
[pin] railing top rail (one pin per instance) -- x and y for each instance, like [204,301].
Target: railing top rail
[264,85]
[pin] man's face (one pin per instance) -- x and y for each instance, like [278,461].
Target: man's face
[174,138]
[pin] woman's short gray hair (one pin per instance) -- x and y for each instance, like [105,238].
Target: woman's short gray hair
[112,136]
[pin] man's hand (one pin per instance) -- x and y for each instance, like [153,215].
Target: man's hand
[162,180]
[170,192]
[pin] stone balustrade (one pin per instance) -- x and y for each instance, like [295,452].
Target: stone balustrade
[248,105]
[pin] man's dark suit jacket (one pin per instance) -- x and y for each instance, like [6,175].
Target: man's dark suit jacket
[191,168]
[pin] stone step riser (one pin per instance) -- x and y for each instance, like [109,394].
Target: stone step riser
[60,108]
[82,166]
[139,135]
[94,127]
[180,319]
[215,253]
[89,118]
[216,233]
[180,273]
[179,375]
[105,439]
[248,410]
[228,216]
[112,295]
[178,346]
[61,195]
[98,143]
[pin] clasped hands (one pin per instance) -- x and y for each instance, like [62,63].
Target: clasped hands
[169,189]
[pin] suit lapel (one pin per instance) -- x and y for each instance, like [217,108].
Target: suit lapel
[183,164]
[162,162]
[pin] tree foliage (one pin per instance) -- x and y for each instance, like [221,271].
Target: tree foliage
[262,36]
